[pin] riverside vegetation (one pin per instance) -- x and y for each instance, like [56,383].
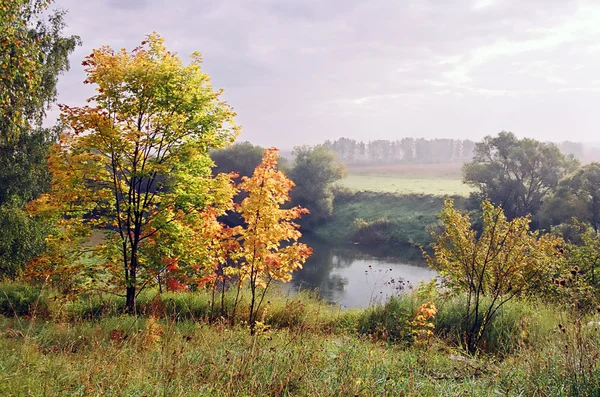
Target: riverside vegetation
[303,347]
[178,296]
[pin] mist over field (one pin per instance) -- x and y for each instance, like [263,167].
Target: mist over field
[300,72]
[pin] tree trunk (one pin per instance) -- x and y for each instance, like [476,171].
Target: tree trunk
[252,318]
[130,302]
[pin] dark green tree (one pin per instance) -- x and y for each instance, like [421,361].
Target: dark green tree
[23,174]
[314,171]
[22,237]
[577,196]
[517,174]
[33,54]
[241,158]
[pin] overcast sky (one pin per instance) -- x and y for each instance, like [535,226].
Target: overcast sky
[302,71]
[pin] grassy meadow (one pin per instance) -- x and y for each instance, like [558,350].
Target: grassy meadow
[375,217]
[434,179]
[304,347]
[395,204]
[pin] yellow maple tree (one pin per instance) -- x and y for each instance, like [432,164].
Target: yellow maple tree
[269,247]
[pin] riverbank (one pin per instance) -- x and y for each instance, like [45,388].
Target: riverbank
[383,218]
[303,347]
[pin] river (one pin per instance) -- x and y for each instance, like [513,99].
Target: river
[353,275]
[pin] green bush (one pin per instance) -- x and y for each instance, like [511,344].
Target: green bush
[95,306]
[21,300]
[291,314]
[517,324]
[389,321]
[370,231]
[186,306]
[303,309]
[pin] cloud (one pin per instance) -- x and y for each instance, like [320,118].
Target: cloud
[128,4]
[301,71]
[481,4]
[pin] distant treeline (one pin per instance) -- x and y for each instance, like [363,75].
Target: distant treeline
[421,151]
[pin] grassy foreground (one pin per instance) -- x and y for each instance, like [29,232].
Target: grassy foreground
[129,356]
[304,348]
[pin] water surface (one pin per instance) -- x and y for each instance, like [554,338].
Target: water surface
[354,275]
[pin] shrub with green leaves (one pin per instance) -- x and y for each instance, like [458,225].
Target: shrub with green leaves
[17,299]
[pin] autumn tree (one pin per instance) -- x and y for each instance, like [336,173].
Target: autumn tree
[269,247]
[505,261]
[135,165]
[517,174]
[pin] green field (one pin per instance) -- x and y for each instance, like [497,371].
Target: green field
[394,203]
[403,184]
[436,179]
[376,217]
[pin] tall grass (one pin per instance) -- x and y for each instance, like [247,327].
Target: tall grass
[279,310]
[144,356]
[127,356]
[178,346]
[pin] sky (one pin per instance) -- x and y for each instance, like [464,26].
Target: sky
[303,71]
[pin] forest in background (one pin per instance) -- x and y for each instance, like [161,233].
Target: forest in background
[429,151]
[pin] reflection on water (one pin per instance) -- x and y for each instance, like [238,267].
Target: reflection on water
[357,275]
